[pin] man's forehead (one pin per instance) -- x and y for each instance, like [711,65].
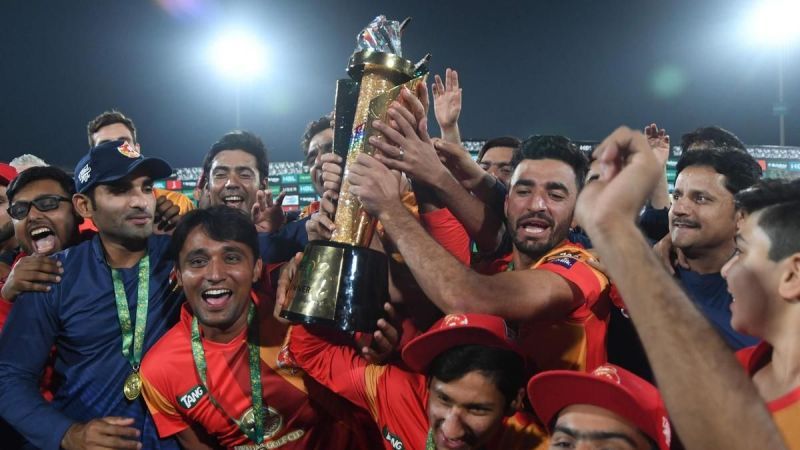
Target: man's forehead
[40,187]
[703,178]
[234,158]
[543,171]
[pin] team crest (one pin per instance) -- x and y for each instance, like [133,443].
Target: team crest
[129,151]
[286,361]
[455,320]
[84,174]
[608,372]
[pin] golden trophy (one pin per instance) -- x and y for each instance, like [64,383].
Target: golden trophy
[342,283]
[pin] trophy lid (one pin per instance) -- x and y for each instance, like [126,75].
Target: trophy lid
[389,61]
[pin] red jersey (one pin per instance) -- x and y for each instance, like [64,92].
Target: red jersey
[310,209]
[396,399]
[577,342]
[302,414]
[786,408]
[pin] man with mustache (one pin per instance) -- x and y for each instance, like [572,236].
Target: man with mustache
[8,244]
[702,225]
[550,290]
[111,305]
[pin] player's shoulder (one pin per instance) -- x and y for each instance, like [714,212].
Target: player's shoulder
[170,356]
[567,254]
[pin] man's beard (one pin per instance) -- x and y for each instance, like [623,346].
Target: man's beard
[535,250]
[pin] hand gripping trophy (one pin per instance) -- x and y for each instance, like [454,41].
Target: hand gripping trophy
[342,283]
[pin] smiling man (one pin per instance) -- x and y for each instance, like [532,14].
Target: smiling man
[464,389]
[702,225]
[223,369]
[112,304]
[560,302]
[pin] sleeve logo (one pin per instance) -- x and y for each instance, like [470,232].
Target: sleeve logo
[565,259]
[190,399]
[126,150]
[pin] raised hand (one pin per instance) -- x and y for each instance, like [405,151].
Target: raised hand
[268,214]
[659,142]
[385,338]
[447,100]
[628,172]
[377,187]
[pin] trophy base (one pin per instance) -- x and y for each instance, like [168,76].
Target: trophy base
[339,286]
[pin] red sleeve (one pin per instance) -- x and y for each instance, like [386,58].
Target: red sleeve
[448,232]
[572,267]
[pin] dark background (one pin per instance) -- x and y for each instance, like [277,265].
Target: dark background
[579,68]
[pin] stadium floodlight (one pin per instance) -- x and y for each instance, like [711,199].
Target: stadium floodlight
[239,55]
[775,22]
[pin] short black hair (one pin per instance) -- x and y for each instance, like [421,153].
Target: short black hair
[715,136]
[554,147]
[109,118]
[314,128]
[502,141]
[32,174]
[504,367]
[739,168]
[220,223]
[779,204]
[244,141]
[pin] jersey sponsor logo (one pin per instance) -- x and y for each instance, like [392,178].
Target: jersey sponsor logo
[564,259]
[393,440]
[126,150]
[455,320]
[190,399]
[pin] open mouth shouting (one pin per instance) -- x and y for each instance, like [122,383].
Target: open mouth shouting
[233,200]
[43,239]
[534,226]
[217,298]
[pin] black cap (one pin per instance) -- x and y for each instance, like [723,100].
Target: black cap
[114,160]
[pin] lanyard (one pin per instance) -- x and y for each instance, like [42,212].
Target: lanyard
[133,338]
[429,444]
[255,431]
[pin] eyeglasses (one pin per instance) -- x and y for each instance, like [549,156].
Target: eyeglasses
[19,210]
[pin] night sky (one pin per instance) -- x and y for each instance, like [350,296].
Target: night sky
[578,68]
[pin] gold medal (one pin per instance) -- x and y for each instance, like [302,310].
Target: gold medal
[133,386]
[274,421]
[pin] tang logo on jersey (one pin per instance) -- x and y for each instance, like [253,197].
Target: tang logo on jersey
[455,320]
[190,399]
[565,259]
[393,440]
[608,372]
[129,151]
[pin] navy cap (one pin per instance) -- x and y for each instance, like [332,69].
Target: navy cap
[114,160]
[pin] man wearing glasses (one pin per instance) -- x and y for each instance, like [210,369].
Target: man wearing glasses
[40,207]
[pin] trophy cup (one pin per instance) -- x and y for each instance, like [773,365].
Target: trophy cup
[342,283]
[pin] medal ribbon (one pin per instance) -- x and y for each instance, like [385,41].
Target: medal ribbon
[133,337]
[429,444]
[255,434]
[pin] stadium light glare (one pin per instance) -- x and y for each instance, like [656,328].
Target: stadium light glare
[239,55]
[775,22]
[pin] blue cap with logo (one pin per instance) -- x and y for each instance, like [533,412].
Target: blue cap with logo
[114,160]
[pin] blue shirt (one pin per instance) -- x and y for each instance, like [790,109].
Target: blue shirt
[710,293]
[79,317]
